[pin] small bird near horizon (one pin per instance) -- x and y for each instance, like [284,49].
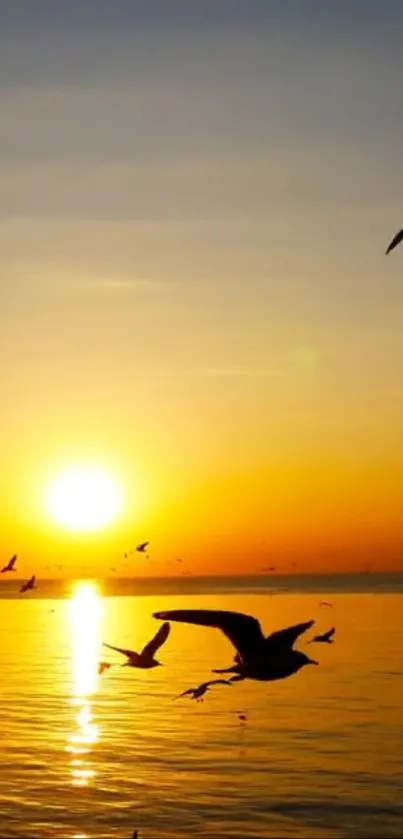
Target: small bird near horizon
[257,657]
[142,547]
[198,693]
[29,585]
[102,666]
[145,660]
[326,603]
[10,565]
[395,241]
[325,637]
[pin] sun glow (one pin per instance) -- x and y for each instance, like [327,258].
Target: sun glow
[85,625]
[84,499]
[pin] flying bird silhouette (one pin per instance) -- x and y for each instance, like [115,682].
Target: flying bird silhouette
[142,547]
[198,693]
[102,666]
[145,660]
[29,585]
[10,565]
[257,657]
[325,638]
[395,241]
[326,603]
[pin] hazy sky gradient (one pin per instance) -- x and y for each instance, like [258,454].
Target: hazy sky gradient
[195,203]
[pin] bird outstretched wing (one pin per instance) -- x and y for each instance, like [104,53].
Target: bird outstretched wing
[395,241]
[159,639]
[128,653]
[243,631]
[286,638]
[330,632]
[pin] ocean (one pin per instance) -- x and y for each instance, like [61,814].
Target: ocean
[318,755]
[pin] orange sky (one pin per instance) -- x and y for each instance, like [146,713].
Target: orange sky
[194,294]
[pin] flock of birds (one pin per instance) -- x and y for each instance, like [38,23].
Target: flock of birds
[258,657]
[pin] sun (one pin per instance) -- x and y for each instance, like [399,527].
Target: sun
[84,499]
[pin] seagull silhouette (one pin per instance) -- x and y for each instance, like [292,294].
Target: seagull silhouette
[29,585]
[102,666]
[198,693]
[257,657]
[145,660]
[142,547]
[395,241]
[10,565]
[325,638]
[326,603]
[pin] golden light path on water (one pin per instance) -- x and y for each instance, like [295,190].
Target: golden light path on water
[85,615]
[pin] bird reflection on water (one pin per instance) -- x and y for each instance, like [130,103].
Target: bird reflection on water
[85,625]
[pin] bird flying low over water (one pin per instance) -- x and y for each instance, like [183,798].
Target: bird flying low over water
[325,638]
[198,693]
[102,666]
[10,565]
[145,660]
[142,547]
[257,657]
[29,585]
[326,603]
[395,241]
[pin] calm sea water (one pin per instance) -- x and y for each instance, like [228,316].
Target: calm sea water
[321,754]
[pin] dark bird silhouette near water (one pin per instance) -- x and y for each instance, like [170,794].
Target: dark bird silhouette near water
[198,693]
[257,657]
[102,666]
[145,660]
[395,241]
[326,603]
[142,547]
[10,565]
[325,638]
[29,585]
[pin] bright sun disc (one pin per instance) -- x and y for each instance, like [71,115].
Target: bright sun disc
[84,499]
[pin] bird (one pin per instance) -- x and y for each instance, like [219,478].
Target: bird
[325,638]
[242,717]
[102,666]
[141,548]
[326,603]
[198,693]
[10,565]
[29,585]
[395,241]
[145,660]
[257,657]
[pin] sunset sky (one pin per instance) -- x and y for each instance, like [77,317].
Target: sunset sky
[195,203]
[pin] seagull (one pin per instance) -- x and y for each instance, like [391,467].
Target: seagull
[10,565]
[326,603]
[198,693]
[257,657]
[325,638]
[395,241]
[29,585]
[145,660]
[102,666]
[142,547]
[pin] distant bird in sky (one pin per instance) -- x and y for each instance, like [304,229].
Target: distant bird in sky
[198,693]
[325,638]
[10,565]
[257,657]
[142,547]
[395,241]
[29,585]
[326,603]
[102,666]
[145,660]
[242,717]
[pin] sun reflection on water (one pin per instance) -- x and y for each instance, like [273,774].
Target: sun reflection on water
[85,612]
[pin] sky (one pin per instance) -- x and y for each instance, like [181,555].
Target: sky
[195,204]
